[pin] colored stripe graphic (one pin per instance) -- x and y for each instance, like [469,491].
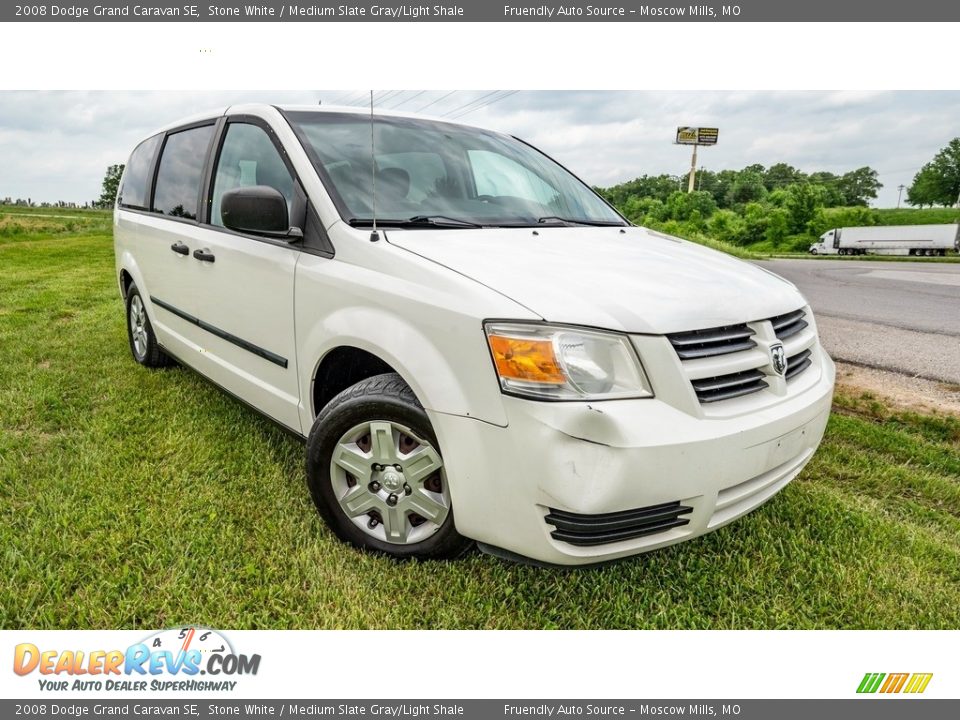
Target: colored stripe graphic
[918,683]
[870,682]
[894,683]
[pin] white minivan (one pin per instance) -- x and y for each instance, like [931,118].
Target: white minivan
[474,344]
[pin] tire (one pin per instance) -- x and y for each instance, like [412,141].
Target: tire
[140,335]
[405,512]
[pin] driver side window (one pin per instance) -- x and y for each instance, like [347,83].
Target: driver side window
[248,157]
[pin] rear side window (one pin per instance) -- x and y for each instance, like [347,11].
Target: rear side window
[180,172]
[136,176]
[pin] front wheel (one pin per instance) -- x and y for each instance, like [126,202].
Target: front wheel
[376,474]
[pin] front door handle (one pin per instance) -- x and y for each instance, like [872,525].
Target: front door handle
[204,255]
[180,248]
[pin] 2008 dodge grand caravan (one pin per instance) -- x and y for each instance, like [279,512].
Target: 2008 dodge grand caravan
[475,345]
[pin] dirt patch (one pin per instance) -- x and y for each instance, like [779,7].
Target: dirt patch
[899,391]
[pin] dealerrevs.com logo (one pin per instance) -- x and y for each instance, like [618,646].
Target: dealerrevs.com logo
[168,660]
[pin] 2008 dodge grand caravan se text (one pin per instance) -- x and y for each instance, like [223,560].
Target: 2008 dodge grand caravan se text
[476,346]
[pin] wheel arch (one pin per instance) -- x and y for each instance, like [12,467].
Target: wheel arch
[342,367]
[374,340]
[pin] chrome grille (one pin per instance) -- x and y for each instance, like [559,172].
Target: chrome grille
[712,342]
[722,363]
[724,387]
[797,364]
[788,325]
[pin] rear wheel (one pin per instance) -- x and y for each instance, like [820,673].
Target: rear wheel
[143,342]
[376,474]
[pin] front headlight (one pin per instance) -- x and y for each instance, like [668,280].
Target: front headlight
[565,363]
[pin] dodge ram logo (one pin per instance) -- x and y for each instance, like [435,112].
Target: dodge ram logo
[778,359]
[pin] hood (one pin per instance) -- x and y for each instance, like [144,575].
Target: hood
[637,281]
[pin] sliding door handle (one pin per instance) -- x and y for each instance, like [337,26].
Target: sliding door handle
[204,255]
[180,249]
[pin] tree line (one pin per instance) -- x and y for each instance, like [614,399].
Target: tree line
[780,206]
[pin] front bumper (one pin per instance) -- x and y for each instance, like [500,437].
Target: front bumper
[609,457]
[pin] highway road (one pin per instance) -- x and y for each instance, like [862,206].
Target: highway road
[902,316]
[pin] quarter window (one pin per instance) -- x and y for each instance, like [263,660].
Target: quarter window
[136,176]
[180,172]
[248,157]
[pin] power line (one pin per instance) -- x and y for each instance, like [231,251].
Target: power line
[409,99]
[443,97]
[486,104]
[466,105]
[354,97]
[392,95]
[340,97]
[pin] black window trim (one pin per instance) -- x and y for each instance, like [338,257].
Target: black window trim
[208,176]
[209,122]
[213,160]
[151,172]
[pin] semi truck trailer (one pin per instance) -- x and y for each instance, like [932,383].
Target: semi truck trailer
[889,240]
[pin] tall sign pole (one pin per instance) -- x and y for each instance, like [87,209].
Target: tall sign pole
[695,136]
[693,169]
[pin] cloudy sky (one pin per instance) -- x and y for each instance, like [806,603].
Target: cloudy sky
[56,145]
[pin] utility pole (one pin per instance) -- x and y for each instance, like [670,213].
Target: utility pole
[700,178]
[900,189]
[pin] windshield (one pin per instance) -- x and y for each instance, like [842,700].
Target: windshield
[435,173]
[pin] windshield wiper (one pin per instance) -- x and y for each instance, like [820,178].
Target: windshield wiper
[438,221]
[571,221]
[442,220]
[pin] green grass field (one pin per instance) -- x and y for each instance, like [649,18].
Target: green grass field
[131,498]
[917,216]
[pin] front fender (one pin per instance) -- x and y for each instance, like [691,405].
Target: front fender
[451,375]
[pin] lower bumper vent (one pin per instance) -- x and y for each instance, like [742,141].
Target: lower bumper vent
[586,530]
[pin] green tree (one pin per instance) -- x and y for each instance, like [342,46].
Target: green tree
[748,187]
[781,175]
[778,226]
[859,186]
[828,218]
[111,183]
[938,182]
[653,186]
[831,182]
[682,205]
[756,217]
[802,202]
[643,210]
[719,185]
[727,226]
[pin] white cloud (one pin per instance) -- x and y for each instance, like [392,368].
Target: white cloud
[56,145]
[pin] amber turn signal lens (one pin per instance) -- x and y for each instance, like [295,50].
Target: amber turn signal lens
[527,359]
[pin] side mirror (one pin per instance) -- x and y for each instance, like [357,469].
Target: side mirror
[257,209]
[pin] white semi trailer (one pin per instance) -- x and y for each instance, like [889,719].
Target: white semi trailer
[889,240]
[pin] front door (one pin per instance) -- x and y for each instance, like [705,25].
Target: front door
[242,285]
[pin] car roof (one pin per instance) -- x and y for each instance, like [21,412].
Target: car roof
[263,108]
